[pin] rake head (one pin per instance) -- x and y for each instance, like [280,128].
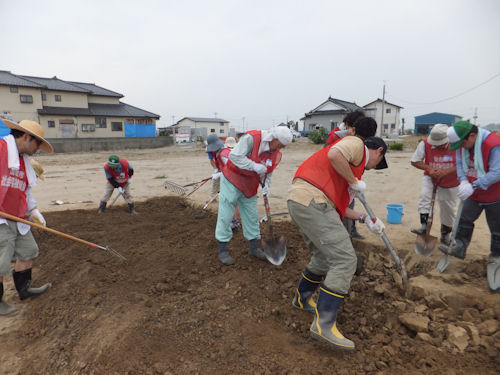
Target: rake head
[174,188]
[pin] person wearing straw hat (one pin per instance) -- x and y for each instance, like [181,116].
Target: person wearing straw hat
[119,174]
[478,169]
[438,163]
[253,160]
[17,178]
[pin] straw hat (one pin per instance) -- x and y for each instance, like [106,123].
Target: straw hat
[32,128]
[230,142]
[38,169]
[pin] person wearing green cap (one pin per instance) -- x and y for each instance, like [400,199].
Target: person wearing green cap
[478,170]
[119,174]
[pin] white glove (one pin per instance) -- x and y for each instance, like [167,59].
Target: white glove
[260,169]
[120,190]
[465,190]
[265,190]
[376,227]
[216,175]
[129,180]
[359,186]
[37,218]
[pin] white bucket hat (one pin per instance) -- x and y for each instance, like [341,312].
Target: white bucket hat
[438,135]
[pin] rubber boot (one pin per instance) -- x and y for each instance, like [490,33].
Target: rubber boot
[445,234]
[22,281]
[308,284]
[354,231]
[5,308]
[255,251]
[462,240]
[102,208]
[423,221]
[224,256]
[131,209]
[493,267]
[324,325]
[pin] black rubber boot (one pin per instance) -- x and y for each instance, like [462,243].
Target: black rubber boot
[324,326]
[5,308]
[423,221]
[102,208]
[22,281]
[308,284]
[445,234]
[224,256]
[131,209]
[255,251]
[354,231]
[462,240]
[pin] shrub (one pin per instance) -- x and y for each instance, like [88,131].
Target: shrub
[318,136]
[396,146]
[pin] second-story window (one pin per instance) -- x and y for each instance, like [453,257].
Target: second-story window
[57,98]
[44,97]
[14,90]
[100,122]
[26,98]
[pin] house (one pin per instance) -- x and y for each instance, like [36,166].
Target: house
[202,127]
[328,114]
[69,109]
[387,116]
[424,123]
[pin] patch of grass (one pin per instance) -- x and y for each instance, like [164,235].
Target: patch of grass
[398,146]
[160,177]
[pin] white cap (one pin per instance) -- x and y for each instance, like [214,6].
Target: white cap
[282,134]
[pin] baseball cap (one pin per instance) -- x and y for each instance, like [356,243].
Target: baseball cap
[457,133]
[374,143]
[114,161]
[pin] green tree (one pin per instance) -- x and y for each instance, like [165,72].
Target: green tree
[318,136]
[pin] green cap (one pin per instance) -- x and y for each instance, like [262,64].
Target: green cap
[457,132]
[114,161]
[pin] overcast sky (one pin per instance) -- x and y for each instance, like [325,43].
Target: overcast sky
[266,61]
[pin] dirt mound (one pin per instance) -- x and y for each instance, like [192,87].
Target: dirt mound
[174,309]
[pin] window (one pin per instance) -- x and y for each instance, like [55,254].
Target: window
[116,126]
[88,127]
[51,123]
[221,123]
[387,110]
[393,126]
[100,122]
[57,98]
[212,130]
[386,126]
[14,90]
[222,131]
[44,97]
[26,98]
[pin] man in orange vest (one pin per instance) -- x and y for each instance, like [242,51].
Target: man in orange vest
[252,160]
[17,179]
[438,163]
[119,174]
[478,169]
[318,200]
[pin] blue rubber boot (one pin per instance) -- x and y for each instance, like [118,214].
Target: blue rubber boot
[308,284]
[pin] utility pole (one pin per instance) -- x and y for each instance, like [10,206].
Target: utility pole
[475,116]
[382,117]
[173,120]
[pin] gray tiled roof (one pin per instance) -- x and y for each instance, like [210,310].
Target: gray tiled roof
[104,110]
[204,119]
[55,83]
[348,106]
[96,90]
[9,79]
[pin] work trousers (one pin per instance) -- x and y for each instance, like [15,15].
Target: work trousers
[446,197]
[108,191]
[324,233]
[230,197]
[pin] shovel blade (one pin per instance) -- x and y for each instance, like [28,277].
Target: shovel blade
[275,250]
[425,244]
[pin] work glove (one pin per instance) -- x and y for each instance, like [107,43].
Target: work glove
[216,176]
[129,181]
[465,190]
[258,168]
[37,218]
[359,186]
[120,190]
[375,226]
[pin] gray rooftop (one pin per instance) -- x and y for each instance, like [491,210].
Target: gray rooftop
[103,110]
[96,90]
[204,119]
[9,79]
[55,83]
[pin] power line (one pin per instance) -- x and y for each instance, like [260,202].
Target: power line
[451,97]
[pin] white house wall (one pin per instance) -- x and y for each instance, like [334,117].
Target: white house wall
[68,99]
[103,99]
[12,108]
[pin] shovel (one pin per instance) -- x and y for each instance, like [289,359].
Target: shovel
[425,243]
[64,235]
[274,247]
[399,264]
[114,200]
[444,262]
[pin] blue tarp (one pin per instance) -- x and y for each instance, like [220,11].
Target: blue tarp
[140,130]
[4,130]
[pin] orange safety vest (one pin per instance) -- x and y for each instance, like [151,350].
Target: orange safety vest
[248,181]
[13,185]
[217,157]
[441,159]
[120,177]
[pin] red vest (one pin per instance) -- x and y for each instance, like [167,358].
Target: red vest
[318,171]
[120,177]
[332,137]
[248,181]
[441,159]
[217,157]
[13,185]
[493,192]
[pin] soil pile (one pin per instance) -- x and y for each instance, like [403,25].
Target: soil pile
[174,309]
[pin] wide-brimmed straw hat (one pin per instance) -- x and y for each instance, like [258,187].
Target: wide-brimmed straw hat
[37,167]
[32,128]
[230,142]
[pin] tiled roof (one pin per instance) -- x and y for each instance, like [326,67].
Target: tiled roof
[96,90]
[204,119]
[348,107]
[96,109]
[379,100]
[55,83]
[9,79]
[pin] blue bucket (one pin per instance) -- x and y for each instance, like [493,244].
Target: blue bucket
[394,213]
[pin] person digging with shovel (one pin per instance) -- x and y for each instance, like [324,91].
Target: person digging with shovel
[438,163]
[318,200]
[119,174]
[478,169]
[254,158]
[17,179]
